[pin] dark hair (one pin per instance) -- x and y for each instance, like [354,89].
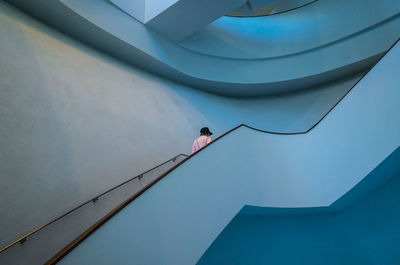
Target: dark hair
[205,131]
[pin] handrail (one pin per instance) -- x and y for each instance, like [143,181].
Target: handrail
[24,238]
[62,253]
[277,13]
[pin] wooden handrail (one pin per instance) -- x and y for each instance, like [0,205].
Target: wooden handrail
[24,238]
[93,228]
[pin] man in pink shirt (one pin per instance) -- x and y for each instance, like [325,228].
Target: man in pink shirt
[203,140]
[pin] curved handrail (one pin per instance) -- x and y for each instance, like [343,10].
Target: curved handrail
[24,238]
[93,228]
[277,13]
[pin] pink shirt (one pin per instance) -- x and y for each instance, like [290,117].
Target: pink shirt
[200,143]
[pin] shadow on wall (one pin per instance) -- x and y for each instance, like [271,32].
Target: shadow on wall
[75,122]
[34,147]
[289,112]
[366,232]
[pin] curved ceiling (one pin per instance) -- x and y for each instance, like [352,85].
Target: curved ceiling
[255,8]
[241,57]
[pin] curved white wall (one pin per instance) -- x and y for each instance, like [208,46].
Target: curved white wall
[75,122]
[258,63]
[311,27]
[176,220]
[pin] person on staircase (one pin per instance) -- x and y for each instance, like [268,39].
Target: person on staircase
[203,140]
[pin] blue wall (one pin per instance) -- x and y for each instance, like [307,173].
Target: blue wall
[365,232]
[314,26]
[75,122]
[260,62]
[176,220]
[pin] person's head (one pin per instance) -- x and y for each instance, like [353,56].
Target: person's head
[205,131]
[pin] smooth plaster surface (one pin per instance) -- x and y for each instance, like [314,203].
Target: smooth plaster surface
[323,52]
[186,17]
[367,232]
[310,27]
[176,220]
[75,122]
[44,244]
[320,58]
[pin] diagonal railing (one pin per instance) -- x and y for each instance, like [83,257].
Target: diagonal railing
[23,239]
[92,229]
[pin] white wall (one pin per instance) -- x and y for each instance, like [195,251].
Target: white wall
[75,122]
[236,66]
[311,27]
[136,8]
[176,220]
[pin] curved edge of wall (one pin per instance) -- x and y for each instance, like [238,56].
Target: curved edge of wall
[382,174]
[54,86]
[229,77]
[365,232]
[176,220]
[310,27]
